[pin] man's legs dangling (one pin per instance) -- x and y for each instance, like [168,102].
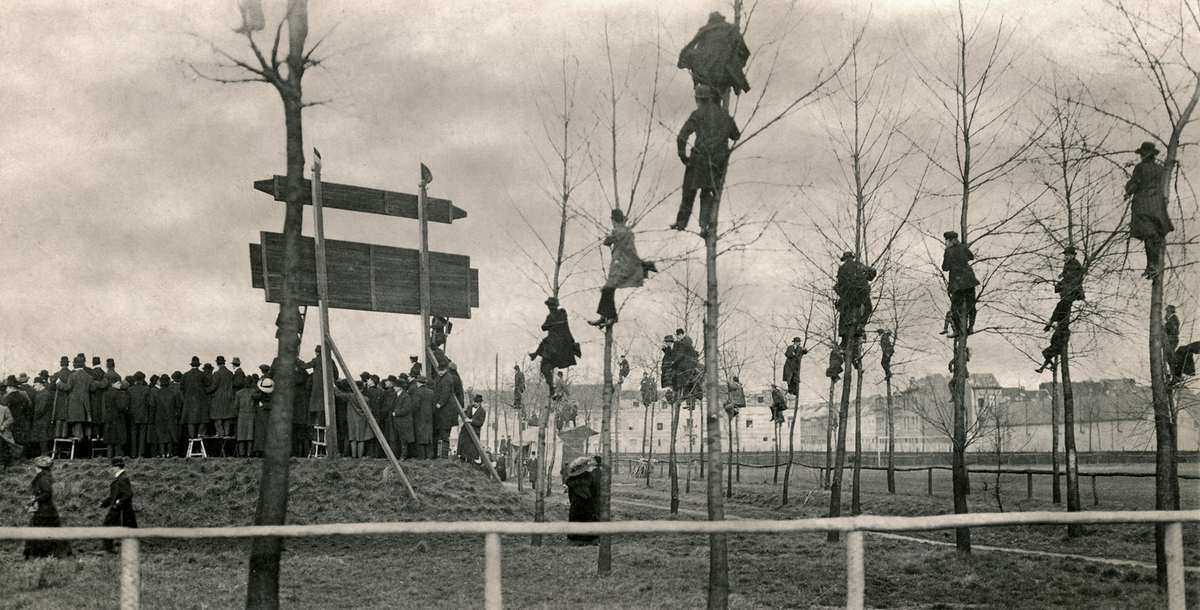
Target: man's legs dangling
[607,308]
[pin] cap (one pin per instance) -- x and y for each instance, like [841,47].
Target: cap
[552,302]
[1147,148]
[950,235]
[847,255]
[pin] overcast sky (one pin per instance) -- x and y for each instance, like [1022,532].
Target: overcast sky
[126,180]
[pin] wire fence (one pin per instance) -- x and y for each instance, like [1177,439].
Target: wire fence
[492,531]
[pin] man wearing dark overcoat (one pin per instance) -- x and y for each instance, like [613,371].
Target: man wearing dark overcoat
[194,389]
[1069,287]
[448,389]
[685,366]
[116,416]
[518,387]
[78,387]
[119,502]
[59,401]
[649,389]
[1149,220]
[423,402]
[476,416]
[558,348]
[666,373]
[853,289]
[956,262]
[717,56]
[704,171]
[791,365]
[140,413]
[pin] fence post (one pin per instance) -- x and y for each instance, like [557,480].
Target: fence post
[855,579]
[1029,485]
[929,475]
[1175,589]
[1095,496]
[493,593]
[131,585]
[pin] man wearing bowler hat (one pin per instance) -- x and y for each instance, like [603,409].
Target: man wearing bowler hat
[119,501]
[1149,220]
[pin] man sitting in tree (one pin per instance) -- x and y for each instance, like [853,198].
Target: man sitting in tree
[853,290]
[717,56]
[1069,288]
[956,262]
[836,362]
[778,404]
[791,365]
[558,348]
[705,172]
[887,347]
[1149,220]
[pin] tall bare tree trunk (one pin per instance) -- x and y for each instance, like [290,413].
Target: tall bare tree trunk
[830,424]
[672,463]
[891,442]
[539,475]
[855,500]
[650,451]
[962,484]
[787,470]
[1166,482]
[729,462]
[604,558]
[850,348]
[1056,486]
[1073,504]
[262,585]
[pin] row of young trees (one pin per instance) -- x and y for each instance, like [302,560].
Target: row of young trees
[1028,164]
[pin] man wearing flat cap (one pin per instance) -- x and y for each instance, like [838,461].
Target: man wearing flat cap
[853,288]
[1149,220]
[956,262]
[1069,288]
[791,365]
[119,501]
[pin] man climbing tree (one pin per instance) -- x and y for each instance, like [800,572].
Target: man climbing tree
[625,270]
[791,365]
[1149,221]
[887,348]
[956,262]
[717,56]
[705,173]
[1069,288]
[558,349]
[853,289]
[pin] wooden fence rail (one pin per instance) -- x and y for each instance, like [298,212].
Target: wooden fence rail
[493,530]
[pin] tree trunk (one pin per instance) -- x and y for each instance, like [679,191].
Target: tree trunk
[539,475]
[958,394]
[787,470]
[839,462]
[729,463]
[855,493]
[645,428]
[262,585]
[718,560]
[687,480]
[1055,484]
[672,463]
[650,444]
[1166,482]
[737,454]
[891,442]
[604,558]
[1073,504]
[830,424]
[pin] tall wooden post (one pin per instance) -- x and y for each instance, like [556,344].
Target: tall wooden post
[331,431]
[426,178]
[496,411]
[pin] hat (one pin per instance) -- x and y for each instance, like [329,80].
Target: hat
[176,376]
[478,398]
[950,235]
[552,302]
[140,376]
[237,361]
[1147,148]
[375,378]
[22,378]
[43,373]
[220,359]
[264,368]
[109,362]
[266,385]
[95,360]
[195,361]
[64,361]
[796,339]
[412,358]
[208,366]
[1069,250]
[1170,308]
[703,91]
[11,381]
[43,461]
[715,17]
[847,255]
[364,375]
[618,215]
[164,378]
[669,339]
[117,462]
[580,465]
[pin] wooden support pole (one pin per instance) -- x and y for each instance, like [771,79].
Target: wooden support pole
[496,411]
[1029,484]
[361,405]
[331,431]
[855,576]
[423,260]
[1175,589]
[1095,495]
[493,594]
[131,581]
[465,426]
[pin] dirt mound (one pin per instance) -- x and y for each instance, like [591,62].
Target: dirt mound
[216,492]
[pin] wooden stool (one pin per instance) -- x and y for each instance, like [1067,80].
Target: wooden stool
[318,443]
[193,452]
[96,449]
[68,451]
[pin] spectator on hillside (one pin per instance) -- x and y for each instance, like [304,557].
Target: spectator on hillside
[44,513]
[119,502]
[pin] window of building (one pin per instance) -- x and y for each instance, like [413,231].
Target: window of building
[749,422]
[660,427]
[764,439]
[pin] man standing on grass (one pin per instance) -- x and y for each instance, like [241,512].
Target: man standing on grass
[119,502]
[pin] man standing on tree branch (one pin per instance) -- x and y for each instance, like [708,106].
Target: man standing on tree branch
[705,172]
[1148,208]
[956,262]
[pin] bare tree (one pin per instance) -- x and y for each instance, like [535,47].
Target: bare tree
[285,74]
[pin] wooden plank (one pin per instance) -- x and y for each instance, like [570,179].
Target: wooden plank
[370,277]
[367,200]
[256,267]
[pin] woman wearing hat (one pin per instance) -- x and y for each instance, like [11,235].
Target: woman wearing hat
[262,413]
[581,491]
[44,512]
[1149,220]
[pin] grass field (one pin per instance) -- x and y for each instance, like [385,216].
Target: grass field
[767,571]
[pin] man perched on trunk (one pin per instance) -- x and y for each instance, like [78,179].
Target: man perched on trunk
[622,370]
[778,404]
[836,362]
[625,270]
[887,348]
[649,389]
[853,289]
[1069,288]
[705,172]
[558,348]
[688,373]
[791,365]
[736,401]
[666,373]
[518,386]
[1149,220]
[1170,332]
[956,262]
[717,55]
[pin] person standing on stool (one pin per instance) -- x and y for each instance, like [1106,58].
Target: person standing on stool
[119,502]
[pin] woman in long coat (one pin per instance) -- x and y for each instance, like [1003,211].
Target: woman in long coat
[243,401]
[581,494]
[44,512]
[626,270]
[476,415]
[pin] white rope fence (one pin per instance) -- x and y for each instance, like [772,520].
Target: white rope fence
[493,530]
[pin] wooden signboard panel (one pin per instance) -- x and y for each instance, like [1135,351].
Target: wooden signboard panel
[362,199]
[369,277]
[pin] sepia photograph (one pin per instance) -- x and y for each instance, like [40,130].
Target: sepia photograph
[617,304]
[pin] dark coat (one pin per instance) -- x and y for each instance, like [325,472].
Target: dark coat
[791,365]
[99,383]
[78,387]
[956,262]
[120,503]
[45,514]
[466,448]
[401,411]
[581,494]
[717,57]
[1148,210]
[558,348]
[446,414]
[710,154]
[737,395]
[168,413]
[316,402]
[116,417]
[22,413]
[61,397]
[262,419]
[43,408]
[1070,283]
[220,386]
[423,402]
[139,403]
[300,398]
[685,367]
[649,390]
[195,397]
[240,380]
[666,374]
[243,401]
